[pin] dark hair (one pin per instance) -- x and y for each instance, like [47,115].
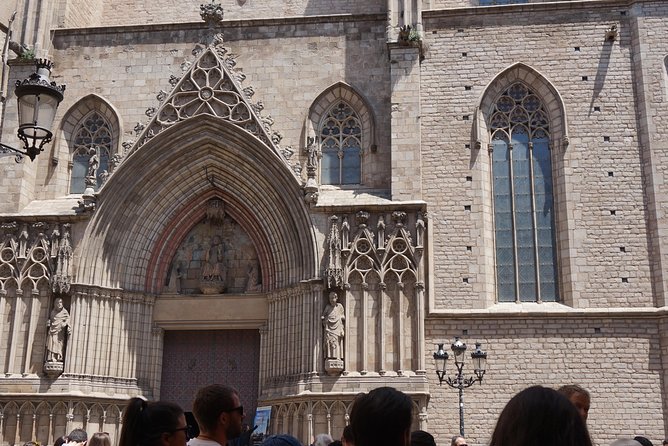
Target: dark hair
[210,402]
[99,439]
[382,416]
[60,440]
[281,440]
[454,439]
[77,436]
[348,434]
[422,438]
[539,415]
[336,443]
[144,422]
[644,441]
[573,389]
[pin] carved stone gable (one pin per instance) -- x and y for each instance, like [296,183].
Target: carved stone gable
[210,86]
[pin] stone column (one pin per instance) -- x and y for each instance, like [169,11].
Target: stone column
[405,121]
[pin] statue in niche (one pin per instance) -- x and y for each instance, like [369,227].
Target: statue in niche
[212,280]
[58,325]
[333,320]
[175,276]
[252,285]
[91,173]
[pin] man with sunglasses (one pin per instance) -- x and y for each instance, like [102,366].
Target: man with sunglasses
[219,415]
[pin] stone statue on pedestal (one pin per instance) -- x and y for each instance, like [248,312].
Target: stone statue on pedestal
[58,325]
[333,320]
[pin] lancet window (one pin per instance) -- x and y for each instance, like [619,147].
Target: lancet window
[92,145]
[340,144]
[524,225]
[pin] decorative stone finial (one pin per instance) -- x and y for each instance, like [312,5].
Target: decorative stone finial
[212,14]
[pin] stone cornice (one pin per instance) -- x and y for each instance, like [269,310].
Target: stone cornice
[541,7]
[227,24]
[548,311]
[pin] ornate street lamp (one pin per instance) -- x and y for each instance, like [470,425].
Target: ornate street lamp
[38,98]
[459,382]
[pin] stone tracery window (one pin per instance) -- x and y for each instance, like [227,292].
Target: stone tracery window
[340,138]
[93,135]
[524,226]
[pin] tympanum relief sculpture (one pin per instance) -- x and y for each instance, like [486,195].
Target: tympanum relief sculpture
[217,256]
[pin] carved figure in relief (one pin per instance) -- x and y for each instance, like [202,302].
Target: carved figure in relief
[252,284]
[333,320]
[58,324]
[174,285]
[93,163]
[213,269]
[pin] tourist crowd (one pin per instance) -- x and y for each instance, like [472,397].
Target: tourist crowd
[535,416]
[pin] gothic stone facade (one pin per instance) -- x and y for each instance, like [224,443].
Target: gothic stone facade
[247,167]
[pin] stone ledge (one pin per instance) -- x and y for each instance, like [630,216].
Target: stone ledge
[546,309]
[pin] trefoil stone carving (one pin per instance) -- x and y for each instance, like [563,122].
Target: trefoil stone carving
[28,256]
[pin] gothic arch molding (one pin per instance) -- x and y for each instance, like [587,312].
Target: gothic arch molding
[84,106]
[193,160]
[347,93]
[533,79]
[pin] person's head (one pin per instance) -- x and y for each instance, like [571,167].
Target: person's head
[458,440]
[60,441]
[665,442]
[77,435]
[322,440]
[625,442]
[422,438]
[58,305]
[644,441]
[218,412]
[281,440]
[347,436]
[153,424]
[579,397]
[382,416]
[539,415]
[99,439]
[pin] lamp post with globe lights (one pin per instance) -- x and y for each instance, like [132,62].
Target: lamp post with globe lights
[459,381]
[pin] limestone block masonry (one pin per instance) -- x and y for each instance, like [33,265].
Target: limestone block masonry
[234,115]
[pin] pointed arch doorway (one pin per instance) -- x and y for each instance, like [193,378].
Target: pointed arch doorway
[196,358]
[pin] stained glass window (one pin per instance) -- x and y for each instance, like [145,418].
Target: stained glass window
[523,207]
[92,137]
[340,144]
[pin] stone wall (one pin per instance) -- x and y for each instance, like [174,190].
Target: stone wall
[617,359]
[125,12]
[605,259]
[287,69]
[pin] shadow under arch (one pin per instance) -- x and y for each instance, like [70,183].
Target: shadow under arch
[168,178]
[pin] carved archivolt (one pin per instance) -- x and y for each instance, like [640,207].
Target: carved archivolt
[33,253]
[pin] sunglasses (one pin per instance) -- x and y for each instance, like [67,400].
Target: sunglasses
[239,410]
[186,430]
